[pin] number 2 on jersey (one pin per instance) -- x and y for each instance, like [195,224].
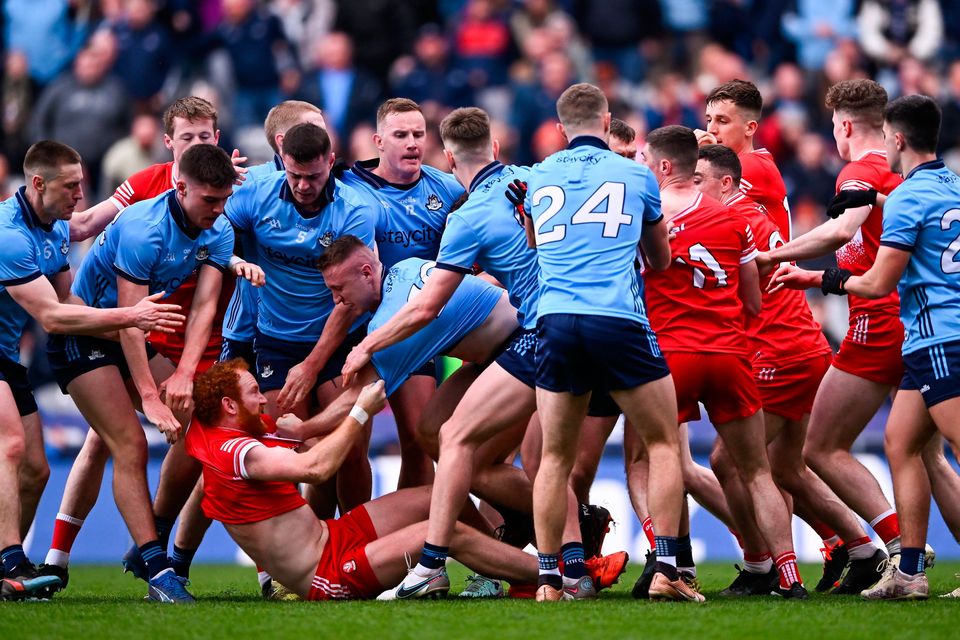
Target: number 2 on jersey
[611,219]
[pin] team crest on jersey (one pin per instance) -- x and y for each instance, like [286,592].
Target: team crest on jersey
[96,354]
[350,567]
[64,247]
[326,239]
[203,253]
[266,372]
[434,203]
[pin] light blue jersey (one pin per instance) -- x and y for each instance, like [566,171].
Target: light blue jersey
[240,320]
[149,243]
[588,207]
[410,218]
[922,216]
[486,231]
[295,301]
[470,305]
[31,250]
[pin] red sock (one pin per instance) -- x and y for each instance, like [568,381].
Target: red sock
[65,530]
[823,530]
[648,531]
[887,526]
[787,568]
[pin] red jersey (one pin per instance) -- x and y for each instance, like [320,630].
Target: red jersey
[228,494]
[869,171]
[762,183]
[149,183]
[694,305]
[785,330]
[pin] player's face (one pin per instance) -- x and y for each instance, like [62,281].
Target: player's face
[202,203]
[352,285]
[250,404]
[400,141]
[706,180]
[187,133]
[652,162]
[890,146]
[61,195]
[843,143]
[728,125]
[623,148]
[307,179]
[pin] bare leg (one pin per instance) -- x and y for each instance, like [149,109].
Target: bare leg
[34,472]
[193,524]
[945,484]
[909,429]
[702,483]
[637,470]
[593,439]
[178,476]
[12,448]
[408,403]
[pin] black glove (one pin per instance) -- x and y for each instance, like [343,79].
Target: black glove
[516,193]
[834,280]
[851,199]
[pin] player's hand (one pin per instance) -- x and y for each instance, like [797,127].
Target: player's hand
[238,161]
[300,381]
[356,360]
[516,193]
[765,263]
[373,397]
[288,426]
[251,272]
[851,199]
[704,137]
[160,414]
[148,315]
[793,277]
[178,391]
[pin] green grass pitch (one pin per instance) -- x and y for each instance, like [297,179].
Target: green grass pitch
[102,603]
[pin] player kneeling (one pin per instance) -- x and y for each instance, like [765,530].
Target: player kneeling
[250,486]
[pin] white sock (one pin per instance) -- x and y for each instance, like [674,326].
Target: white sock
[759,567]
[57,557]
[893,547]
[263,577]
[690,571]
[424,572]
[863,551]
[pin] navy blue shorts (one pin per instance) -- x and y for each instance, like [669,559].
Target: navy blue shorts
[934,372]
[580,353]
[15,375]
[242,349]
[519,360]
[72,356]
[276,357]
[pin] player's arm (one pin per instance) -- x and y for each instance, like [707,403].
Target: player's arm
[178,387]
[88,223]
[655,243]
[413,316]
[332,415]
[879,281]
[322,461]
[301,377]
[828,237]
[133,343]
[749,288]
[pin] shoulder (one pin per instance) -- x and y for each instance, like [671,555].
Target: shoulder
[446,180]
[858,175]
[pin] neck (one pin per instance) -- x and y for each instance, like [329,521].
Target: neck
[910,160]
[36,201]
[727,196]
[596,132]
[395,176]
[676,194]
[861,144]
[186,218]
[467,171]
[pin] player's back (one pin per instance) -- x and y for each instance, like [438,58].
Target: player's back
[785,329]
[869,171]
[588,207]
[762,183]
[694,305]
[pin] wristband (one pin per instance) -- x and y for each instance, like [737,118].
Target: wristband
[358,414]
[834,281]
[234,261]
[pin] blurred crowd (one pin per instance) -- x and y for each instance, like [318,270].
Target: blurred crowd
[96,74]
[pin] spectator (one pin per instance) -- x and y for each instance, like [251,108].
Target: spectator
[670,104]
[346,94]
[146,53]
[49,33]
[483,46]
[815,27]
[810,182]
[17,103]
[547,140]
[616,30]
[890,30]
[536,103]
[950,103]
[364,21]
[542,18]
[131,154]
[429,77]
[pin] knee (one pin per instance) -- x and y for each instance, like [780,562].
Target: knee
[786,477]
[34,473]
[131,454]
[13,448]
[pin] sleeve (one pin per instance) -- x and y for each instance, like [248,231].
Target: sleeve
[855,176]
[902,217]
[651,199]
[240,208]
[241,447]
[459,246]
[19,264]
[358,223]
[136,255]
[221,249]
[748,245]
[133,189]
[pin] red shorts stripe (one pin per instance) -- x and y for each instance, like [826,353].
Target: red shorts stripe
[344,572]
[789,390]
[871,348]
[723,382]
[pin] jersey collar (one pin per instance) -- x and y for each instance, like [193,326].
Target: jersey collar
[488,171]
[29,215]
[180,216]
[278,162]
[932,165]
[364,170]
[326,197]
[588,141]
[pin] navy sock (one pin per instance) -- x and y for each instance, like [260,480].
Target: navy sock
[573,566]
[911,560]
[666,549]
[164,527]
[434,557]
[684,552]
[12,556]
[180,561]
[155,557]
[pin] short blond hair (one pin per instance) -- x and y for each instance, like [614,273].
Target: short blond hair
[190,108]
[396,105]
[466,132]
[284,116]
[581,105]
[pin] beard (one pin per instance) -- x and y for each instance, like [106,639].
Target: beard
[251,422]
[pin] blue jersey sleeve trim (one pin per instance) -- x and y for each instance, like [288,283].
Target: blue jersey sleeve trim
[65,267]
[24,280]
[655,220]
[897,245]
[452,267]
[126,276]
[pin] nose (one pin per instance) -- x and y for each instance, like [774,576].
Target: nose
[712,127]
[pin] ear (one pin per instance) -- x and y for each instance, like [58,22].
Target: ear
[726,183]
[216,136]
[847,127]
[181,187]
[496,149]
[168,141]
[278,140]
[333,159]
[562,131]
[751,128]
[38,183]
[378,141]
[450,160]
[606,123]
[228,406]
[666,167]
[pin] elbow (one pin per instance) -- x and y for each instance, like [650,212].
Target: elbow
[752,307]
[51,323]
[660,263]
[320,473]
